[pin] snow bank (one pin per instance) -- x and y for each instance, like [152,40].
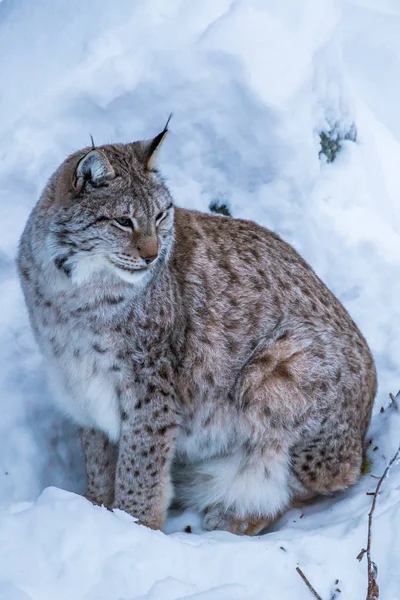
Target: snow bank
[251,83]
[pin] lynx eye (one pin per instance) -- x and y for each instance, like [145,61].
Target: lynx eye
[160,217]
[162,214]
[124,222]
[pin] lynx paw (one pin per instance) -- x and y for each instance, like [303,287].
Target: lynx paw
[96,501]
[217,518]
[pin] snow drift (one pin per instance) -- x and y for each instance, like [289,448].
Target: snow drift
[252,85]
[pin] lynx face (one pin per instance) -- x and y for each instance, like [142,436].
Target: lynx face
[111,213]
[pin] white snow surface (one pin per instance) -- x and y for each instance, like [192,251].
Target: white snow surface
[251,84]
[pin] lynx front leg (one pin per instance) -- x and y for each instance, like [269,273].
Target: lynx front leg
[101,460]
[142,486]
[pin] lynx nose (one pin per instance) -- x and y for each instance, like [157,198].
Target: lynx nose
[148,249]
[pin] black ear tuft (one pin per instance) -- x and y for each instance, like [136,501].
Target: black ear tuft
[94,167]
[151,147]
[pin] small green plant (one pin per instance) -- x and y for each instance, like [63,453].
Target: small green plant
[366,465]
[330,146]
[331,141]
[220,208]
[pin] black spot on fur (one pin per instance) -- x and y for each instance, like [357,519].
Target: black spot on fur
[98,348]
[61,265]
[112,301]
[26,274]
[282,336]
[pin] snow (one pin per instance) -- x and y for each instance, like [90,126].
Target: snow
[251,84]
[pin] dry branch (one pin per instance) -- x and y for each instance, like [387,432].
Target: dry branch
[308,584]
[336,591]
[393,400]
[373,588]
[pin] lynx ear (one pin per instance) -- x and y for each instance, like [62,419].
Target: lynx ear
[149,149]
[94,167]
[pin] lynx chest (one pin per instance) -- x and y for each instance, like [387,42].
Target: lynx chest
[83,363]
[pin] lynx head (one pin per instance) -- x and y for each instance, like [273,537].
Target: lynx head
[108,211]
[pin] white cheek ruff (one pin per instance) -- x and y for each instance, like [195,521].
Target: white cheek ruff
[130,276]
[84,267]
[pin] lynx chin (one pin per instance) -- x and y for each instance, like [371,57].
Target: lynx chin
[203,360]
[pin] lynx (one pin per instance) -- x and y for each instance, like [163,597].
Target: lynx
[203,360]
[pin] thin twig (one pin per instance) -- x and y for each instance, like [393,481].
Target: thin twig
[308,584]
[393,400]
[373,588]
[335,593]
